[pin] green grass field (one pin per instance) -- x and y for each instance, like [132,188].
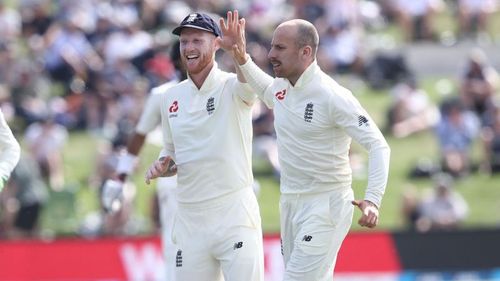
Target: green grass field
[66,209]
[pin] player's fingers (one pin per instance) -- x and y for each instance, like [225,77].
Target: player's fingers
[229,18]
[356,203]
[241,30]
[147,177]
[173,168]
[223,25]
[362,221]
[236,17]
[165,160]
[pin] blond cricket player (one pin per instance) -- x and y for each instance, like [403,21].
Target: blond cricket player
[207,128]
[315,120]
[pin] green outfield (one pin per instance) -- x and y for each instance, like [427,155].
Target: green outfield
[66,210]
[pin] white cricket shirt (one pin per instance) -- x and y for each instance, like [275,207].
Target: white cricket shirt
[150,117]
[9,149]
[314,122]
[208,132]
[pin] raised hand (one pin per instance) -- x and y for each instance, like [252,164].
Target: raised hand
[233,36]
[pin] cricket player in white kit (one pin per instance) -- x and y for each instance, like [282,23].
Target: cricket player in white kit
[315,120]
[9,151]
[207,127]
[166,187]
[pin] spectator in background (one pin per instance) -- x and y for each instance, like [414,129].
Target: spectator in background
[341,45]
[416,18]
[68,53]
[455,132]
[473,16]
[478,84]
[411,110]
[444,208]
[491,141]
[10,21]
[23,200]
[410,207]
[45,140]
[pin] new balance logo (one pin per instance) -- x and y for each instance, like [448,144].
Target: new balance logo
[237,245]
[210,105]
[308,113]
[362,120]
[178,259]
[307,238]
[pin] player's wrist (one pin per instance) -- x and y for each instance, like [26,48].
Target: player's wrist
[371,203]
[242,59]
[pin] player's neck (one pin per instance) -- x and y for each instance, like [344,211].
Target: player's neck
[200,77]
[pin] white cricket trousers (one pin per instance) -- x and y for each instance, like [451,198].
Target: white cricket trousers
[167,199]
[313,227]
[220,239]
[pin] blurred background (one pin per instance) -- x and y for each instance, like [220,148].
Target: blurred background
[74,76]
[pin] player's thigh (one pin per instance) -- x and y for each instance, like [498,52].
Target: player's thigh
[319,237]
[243,258]
[192,259]
[240,247]
[196,265]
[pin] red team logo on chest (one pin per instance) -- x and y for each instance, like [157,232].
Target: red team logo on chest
[174,107]
[281,94]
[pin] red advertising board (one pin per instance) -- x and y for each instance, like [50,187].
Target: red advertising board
[141,258]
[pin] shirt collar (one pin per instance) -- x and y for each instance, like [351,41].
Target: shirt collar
[307,75]
[210,82]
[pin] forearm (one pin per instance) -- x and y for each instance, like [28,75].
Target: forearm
[378,172]
[255,77]
[135,144]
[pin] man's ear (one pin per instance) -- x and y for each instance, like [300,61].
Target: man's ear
[217,43]
[307,51]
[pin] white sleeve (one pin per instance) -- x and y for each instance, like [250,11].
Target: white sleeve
[9,149]
[350,115]
[245,92]
[257,79]
[168,143]
[150,117]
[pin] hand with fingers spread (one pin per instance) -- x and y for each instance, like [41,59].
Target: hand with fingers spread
[369,216]
[163,167]
[233,36]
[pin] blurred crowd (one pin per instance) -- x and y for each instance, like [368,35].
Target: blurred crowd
[89,65]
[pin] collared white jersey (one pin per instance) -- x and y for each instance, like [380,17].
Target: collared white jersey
[9,149]
[208,132]
[314,121]
[150,117]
